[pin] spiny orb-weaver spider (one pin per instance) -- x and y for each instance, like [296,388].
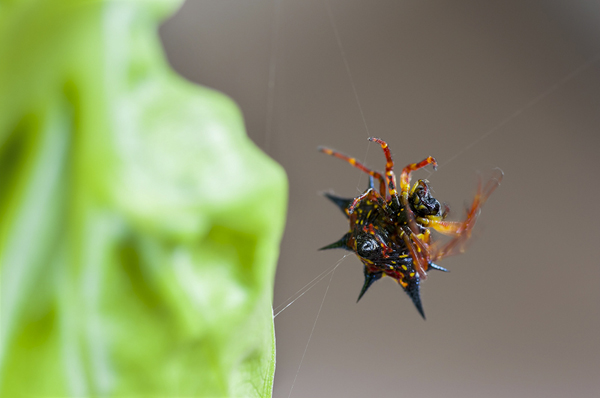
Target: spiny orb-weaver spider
[390,230]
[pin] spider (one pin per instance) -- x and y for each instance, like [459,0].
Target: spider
[390,230]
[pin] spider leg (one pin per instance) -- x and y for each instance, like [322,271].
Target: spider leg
[371,182]
[389,168]
[405,176]
[356,164]
[462,233]
[418,251]
[374,196]
[462,230]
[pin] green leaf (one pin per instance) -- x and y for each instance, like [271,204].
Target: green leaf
[139,226]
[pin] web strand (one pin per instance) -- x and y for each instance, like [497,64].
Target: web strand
[345,59]
[311,333]
[525,107]
[351,79]
[307,287]
[275,27]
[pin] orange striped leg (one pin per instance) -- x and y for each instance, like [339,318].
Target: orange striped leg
[418,251]
[374,196]
[389,167]
[358,165]
[405,176]
[462,230]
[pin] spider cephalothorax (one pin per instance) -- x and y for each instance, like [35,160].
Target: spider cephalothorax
[390,230]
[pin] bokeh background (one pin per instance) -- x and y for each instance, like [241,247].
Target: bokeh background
[478,85]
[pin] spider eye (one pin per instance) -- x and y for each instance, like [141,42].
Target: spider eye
[367,247]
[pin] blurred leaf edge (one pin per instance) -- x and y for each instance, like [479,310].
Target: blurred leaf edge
[140,226]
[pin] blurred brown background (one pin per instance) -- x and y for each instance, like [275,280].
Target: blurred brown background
[478,85]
